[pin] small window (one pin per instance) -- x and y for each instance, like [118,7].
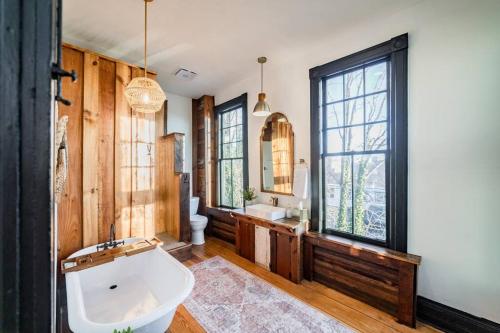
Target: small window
[232,152]
[359,166]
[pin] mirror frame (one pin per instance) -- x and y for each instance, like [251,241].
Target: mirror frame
[262,154]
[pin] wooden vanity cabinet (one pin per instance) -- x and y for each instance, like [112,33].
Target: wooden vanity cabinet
[284,242]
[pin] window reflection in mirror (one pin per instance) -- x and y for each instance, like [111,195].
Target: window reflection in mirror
[276,153]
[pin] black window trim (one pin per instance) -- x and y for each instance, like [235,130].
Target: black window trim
[235,103]
[396,51]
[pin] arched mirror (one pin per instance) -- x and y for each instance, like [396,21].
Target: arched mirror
[276,155]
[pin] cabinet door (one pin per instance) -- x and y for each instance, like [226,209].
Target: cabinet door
[246,236]
[283,255]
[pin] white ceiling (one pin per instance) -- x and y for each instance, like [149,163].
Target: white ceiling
[218,39]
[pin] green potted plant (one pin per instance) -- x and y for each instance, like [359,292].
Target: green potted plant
[128,330]
[249,196]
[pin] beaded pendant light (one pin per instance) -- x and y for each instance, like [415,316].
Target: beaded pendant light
[143,94]
[261,109]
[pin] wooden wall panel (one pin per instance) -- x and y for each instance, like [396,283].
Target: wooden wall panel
[106,156]
[173,190]
[160,171]
[113,155]
[70,206]
[123,153]
[138,197]
[90,144]
[162,184]
[204,152]
[383,278]
[152,134]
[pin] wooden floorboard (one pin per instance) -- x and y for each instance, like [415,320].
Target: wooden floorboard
[350,311]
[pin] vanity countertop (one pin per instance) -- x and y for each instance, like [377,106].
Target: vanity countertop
[292,225]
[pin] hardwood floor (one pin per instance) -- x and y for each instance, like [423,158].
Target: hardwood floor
[353,313]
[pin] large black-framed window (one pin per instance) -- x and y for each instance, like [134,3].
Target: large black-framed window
[359,157]
[232,151]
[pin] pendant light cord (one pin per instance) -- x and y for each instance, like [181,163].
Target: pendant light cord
[261,77]
[145,38]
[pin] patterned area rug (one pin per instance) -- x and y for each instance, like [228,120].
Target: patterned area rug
[227,298]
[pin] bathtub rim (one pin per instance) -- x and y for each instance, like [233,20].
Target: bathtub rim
[77,316]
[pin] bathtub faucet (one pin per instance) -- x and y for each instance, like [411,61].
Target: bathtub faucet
[112,243]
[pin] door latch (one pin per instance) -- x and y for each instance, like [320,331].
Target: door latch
[57,73]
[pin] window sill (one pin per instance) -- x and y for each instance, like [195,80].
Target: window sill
[327,240]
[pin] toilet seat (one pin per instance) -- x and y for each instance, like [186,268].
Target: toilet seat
[198,220]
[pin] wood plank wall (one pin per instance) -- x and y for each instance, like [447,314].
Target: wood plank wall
[173,189]
[204,153]
[90,156]
[70,208]
[112,155]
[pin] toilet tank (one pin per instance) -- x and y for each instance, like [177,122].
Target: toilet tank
[193,206]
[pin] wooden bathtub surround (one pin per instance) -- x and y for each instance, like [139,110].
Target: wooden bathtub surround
[285,237]
[381,277]
[112,155]
[105,256]
[173,189]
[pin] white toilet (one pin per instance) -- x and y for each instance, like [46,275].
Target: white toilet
[198,222]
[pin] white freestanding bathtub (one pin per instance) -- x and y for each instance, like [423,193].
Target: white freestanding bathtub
[141,292]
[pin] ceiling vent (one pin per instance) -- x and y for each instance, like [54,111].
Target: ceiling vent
[185,74]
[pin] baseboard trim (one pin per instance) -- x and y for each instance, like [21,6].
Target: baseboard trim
[452,320]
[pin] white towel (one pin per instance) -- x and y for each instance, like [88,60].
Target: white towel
[300,181]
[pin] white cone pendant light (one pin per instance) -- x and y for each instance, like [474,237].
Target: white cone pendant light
[143,94]
[262,109]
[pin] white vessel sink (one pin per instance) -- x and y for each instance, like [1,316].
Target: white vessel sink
[266,212]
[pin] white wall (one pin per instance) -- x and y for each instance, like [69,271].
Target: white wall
[454,138]
[179,120]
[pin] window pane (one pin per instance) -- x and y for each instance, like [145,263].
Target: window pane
[234,149]
[239,115]
[226,119]
[376,77]
[376,107]
[353,83]
[238,150]
[226,184]
[376,136]
[338,193]
[237,183]
[354,138]
[226,153]
[369,196]
[334,89]
[335,115]
[239,133]
[354,111]
[226,135]
[334,140]
[232,134]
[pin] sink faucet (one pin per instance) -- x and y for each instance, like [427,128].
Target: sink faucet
[112,243]
[274,200]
